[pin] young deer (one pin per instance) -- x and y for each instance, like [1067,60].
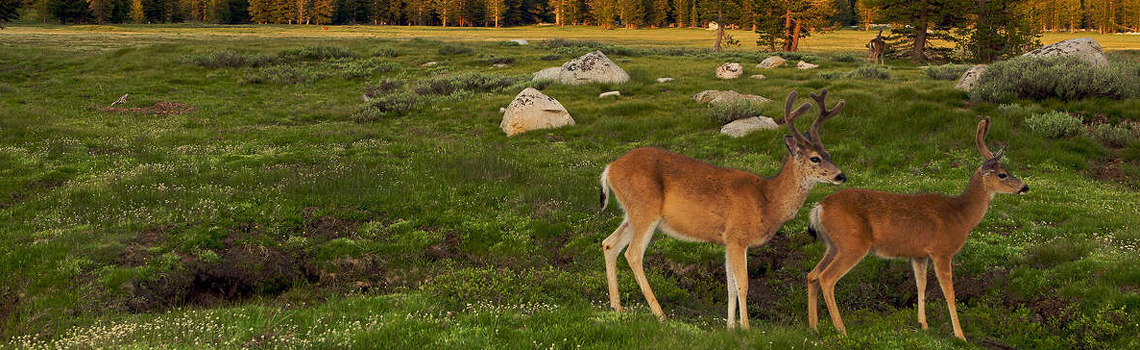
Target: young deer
[876,49]
[695,201]
[853,222]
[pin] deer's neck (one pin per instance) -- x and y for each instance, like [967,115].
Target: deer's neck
[787,191]
[974,201]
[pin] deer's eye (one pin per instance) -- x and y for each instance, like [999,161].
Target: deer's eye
[1001,176]
[814,159]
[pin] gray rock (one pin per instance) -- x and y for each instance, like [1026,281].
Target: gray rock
[1084,48]
[772,62]
[805,65]
[593,67]
[521,41]
[729,71]
[741,127]
[757,76]
[429,64]
[729,96]
[610,94]
[970,77]
[664,80]
[551,73]
[532,110]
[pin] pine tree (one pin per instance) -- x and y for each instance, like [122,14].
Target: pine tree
[604,12]
[681,12]
[564,10]
[866,13]
[660,13]
[495,10]
[137,13]
[631,13]
[8,11]
[259,11]
[101,9]
[322,11]
[998,31]
[923,20]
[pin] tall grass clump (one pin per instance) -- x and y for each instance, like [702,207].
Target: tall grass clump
[796,56]
[492,59]
[1054,124]
[725,113]
[1063,78]
[229,59]
[863,72]
[389,105]
[315,53]
[945,72]
[351,68]
[559,42]
[382,87]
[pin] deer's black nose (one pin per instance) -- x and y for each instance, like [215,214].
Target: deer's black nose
[1024,189]
[841,178]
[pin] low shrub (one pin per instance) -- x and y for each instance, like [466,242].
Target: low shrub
[797,56]
[864,72]
[870,72]
[454,50]
[844,57]
[383,87]
[350,68]
[946,71]
[471,82]
[559,42]
[1112,136]
[1064,78]
[384,51]
[229,59]
[314,53]
[282,74]
[492,59]
[725,113]
[550,57]
[395,104]
[1054,124]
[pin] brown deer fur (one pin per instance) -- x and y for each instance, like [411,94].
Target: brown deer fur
[876,49]
[853,222]
[695,201]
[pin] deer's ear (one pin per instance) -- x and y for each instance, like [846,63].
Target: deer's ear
[790,142]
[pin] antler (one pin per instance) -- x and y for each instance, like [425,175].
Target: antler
[824,114]
[790,117]
[983,129]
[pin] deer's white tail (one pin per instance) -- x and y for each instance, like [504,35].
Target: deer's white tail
[815,227]
[605,188]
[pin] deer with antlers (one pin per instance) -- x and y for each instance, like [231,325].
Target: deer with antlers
[854,222]
[877,47]
[695,201]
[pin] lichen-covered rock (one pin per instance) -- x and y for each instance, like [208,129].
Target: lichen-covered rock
[970,77]
[1085,48]
[757,76]
[772,62]
[741,127]
[520,41]
[805,65]
[610,94]
[532,110]
[729,71]
[728,96]
[593,67]
[551,73]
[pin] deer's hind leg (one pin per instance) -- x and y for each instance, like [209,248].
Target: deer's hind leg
[642,231]
[612,246]
[813,287]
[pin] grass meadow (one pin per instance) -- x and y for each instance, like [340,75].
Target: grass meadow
[245,196]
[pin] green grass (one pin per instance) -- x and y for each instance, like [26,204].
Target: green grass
[277,215]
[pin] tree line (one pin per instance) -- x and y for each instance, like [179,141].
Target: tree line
[984,29]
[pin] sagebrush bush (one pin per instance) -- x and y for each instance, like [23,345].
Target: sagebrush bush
[796,56]
[470,82]
[454,50]
[282,74]
[844,57]
[492,59]
[350,68]
[1112,136]
[395,104]
[1064,78]
[229,59]
[313,53]
[385,51]
[863,72]
[725,113]
[550,57]
[870,72]
[559,42]
[1054,124]
[946,71]
[382,87]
